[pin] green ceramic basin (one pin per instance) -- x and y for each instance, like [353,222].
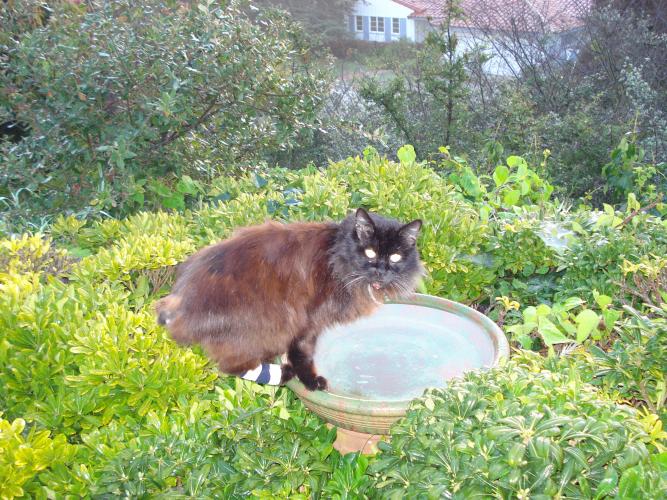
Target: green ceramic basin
[377,365]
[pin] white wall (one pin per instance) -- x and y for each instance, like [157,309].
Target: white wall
[421,27]
[501,63]
[410,30]
[384,8]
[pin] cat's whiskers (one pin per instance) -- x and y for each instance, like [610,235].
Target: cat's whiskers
[353,281]
[351,276]
[400,288]
[395,287]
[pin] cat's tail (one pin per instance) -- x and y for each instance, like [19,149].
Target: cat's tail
[266,374]
[167,309]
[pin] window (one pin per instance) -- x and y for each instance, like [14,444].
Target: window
[360,23]
[396,26]
[377,24]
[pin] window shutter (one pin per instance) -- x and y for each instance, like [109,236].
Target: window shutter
[387,29]
[404,28]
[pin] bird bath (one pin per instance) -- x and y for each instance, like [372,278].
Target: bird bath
[378,364]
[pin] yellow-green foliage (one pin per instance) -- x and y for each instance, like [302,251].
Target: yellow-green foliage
[324,197]
[29,254]
[452,229]
[24,455]
[131,254]
[82,359]
[216,222]
[85,360]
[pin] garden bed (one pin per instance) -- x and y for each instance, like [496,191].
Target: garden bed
[97,400]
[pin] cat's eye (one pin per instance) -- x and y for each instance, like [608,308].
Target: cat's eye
[394,257]
[370,253]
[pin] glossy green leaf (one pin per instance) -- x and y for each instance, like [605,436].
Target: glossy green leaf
[511,197]
[406,154]
[550,333]
[587,320]
[500,175]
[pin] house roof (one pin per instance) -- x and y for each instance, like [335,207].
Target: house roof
[506,15]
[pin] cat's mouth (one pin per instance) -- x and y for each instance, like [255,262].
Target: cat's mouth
[376,285]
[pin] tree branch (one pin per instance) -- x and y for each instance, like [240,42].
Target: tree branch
[636,212]
[172,136]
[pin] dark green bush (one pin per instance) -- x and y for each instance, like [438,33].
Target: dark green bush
[425,98]
[634,365]
[134,90]
[528,430]
[20,17]
[595,259]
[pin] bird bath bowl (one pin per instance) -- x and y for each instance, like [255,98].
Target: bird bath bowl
[378,364]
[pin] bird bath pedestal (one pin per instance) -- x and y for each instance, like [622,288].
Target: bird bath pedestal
[378,364]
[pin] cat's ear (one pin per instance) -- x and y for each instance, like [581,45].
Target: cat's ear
[410,231]
[364,226]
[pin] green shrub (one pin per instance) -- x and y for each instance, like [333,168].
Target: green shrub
[580,140]
[402,190]
[134,90]
[20,17]
[31,254]
[645,282]
[595,257]
[24,455]
[628,172]
[86,360]
[531,429]
[634,365]
[239,439]
[518,248]
[512,185]
[82,357]
[566,322]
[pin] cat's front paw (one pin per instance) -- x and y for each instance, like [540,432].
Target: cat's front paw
[322,383]
[318,383]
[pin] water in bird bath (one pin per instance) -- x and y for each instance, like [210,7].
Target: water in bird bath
[399,351]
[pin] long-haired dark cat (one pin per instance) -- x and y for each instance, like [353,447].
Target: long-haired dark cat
[272,289]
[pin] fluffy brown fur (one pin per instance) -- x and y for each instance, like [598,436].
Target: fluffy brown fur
[272,289]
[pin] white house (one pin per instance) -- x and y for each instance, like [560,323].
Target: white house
[382,21]
[484,22]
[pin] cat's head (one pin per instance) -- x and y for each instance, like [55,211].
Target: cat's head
[378,252]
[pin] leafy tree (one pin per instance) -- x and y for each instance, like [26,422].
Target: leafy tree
[139,89]
[425,101]
[444,68]
[653,9]
[322,18]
